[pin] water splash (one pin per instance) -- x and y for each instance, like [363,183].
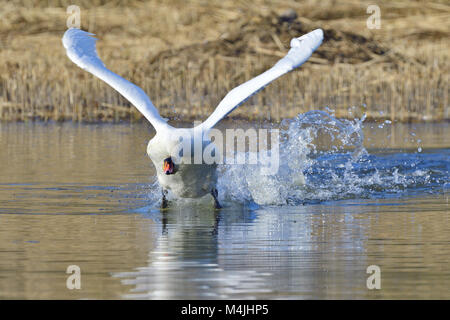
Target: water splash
[324,158]
[302,140]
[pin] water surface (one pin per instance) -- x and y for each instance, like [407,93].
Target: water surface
[86,195]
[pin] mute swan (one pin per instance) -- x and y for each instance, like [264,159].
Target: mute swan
[183,178]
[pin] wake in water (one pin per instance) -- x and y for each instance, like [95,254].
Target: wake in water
[324,158]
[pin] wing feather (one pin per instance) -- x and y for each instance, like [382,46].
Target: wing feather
[301,50]
[81,49]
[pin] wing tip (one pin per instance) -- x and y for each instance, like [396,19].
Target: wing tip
[315,37]
[72,34]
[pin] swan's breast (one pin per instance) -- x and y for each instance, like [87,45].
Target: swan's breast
[190,180]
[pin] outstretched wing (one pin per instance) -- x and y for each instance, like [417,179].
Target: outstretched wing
[80,48]
[301,50]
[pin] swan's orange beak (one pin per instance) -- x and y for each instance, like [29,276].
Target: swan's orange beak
[168,166]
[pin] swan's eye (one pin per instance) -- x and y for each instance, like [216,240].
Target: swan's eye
[168,166]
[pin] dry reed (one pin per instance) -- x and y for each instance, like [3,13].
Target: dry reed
[188,55]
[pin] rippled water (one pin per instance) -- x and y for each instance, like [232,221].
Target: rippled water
[86,195]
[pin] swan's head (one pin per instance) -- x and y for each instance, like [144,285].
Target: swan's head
[168,166]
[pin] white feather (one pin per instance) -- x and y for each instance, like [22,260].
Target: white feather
[301,50]
[80,48]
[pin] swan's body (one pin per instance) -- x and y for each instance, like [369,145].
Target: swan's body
[190,179]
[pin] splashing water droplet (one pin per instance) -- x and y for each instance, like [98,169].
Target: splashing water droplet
[300,145]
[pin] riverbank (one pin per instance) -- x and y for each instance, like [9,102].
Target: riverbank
[188,55]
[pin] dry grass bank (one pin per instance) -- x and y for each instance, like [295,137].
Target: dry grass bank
[188,54]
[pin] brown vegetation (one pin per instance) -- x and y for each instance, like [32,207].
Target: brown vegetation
[188,54]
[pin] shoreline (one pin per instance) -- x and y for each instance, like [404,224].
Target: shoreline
[398,73]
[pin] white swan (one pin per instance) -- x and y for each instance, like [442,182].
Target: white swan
[176,171]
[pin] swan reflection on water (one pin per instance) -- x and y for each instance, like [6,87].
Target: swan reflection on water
[242,253]
[186,261]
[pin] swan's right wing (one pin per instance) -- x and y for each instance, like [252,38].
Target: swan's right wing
[80,48]
[301,50]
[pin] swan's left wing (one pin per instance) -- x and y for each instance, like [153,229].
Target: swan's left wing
[301,50]
[80,48]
